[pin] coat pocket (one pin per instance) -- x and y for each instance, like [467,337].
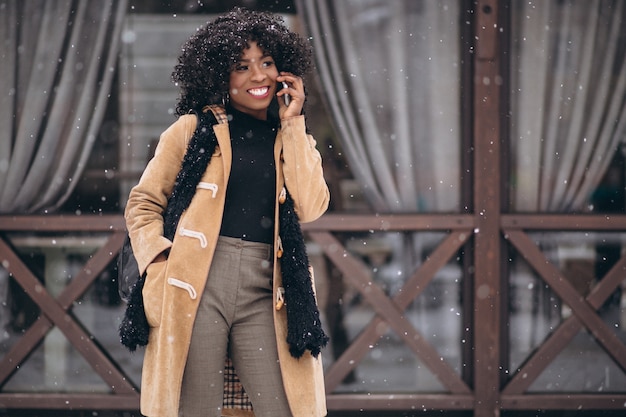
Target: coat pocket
[153,291]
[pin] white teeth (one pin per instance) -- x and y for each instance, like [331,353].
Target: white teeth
[258,91]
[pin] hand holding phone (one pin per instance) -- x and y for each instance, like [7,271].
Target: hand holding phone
[286,97]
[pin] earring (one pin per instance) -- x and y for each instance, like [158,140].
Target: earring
[225,98]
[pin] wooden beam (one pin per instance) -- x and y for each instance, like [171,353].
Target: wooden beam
[488,287]
[390,222]
[67,401]
[569,401]
[563,222]
[62,223]
[402,402]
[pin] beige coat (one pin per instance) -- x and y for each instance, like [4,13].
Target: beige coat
[172,289]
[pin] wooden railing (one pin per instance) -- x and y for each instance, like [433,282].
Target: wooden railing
[460,231]
[54,313]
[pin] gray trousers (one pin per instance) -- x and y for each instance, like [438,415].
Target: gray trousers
[235,317]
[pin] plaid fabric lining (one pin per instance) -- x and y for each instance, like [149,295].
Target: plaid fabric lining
[218,112]
[234,394]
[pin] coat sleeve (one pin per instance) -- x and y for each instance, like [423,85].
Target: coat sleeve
[148,199]
[302,170]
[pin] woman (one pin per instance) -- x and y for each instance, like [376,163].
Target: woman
[216,292]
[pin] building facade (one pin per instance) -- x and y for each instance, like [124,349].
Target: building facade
[472,262]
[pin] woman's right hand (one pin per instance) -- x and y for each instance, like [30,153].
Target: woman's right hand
[295,90]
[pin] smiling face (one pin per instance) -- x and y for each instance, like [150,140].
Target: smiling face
[252,83]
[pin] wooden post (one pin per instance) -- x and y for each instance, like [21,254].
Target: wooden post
[487,208]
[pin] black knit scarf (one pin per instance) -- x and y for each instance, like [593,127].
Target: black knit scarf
[304,328]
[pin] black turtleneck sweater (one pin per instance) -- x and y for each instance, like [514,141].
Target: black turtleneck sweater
[249,207]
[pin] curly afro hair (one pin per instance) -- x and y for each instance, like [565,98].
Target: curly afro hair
[208,57]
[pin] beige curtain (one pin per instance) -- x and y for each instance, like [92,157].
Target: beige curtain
[568,99]
[390,71]
[58,61]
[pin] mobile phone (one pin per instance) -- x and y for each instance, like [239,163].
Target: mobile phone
[286,97]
